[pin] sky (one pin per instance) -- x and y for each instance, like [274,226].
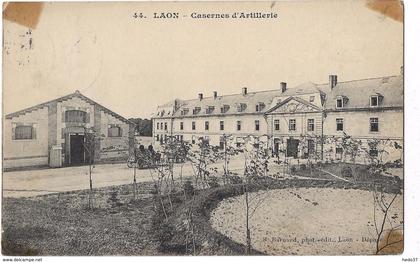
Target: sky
[132,65]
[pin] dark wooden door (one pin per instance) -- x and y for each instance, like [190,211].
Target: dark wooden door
[276,147]
[292,147]
[77,151]
[311,147]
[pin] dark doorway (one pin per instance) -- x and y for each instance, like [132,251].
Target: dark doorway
[276,146]
[311,147]
[292,147]
[77,151]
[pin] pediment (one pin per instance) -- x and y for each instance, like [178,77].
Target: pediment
[294,105]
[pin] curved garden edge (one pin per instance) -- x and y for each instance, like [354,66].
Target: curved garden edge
[207,200]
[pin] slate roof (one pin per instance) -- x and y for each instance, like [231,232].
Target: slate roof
[251,99]
[358,92]
[67,97]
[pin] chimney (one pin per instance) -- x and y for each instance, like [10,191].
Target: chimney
[283,86]
[244,90]
[214,94]
[200,96]
[333,81]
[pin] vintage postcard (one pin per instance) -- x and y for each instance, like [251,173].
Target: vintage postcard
[203,128]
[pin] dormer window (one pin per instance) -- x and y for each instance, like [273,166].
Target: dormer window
[259,107]
[375,100]
[311,99]
[341,101]
[184,111]
[224,109]
[196,110]
[241,107]
[209,109]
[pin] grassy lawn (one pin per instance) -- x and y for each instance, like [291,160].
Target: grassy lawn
[61,224]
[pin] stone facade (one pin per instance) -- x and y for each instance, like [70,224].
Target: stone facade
[52,129]
[298,121]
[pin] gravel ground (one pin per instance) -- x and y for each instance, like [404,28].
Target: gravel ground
[305,221]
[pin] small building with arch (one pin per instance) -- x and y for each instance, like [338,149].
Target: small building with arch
[56,133]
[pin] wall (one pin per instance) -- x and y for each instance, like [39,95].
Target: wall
[74,103]
[214,132]
[32,152]
[113,148]
[357,123]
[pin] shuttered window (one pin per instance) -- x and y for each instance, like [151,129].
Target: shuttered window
[24,132]
[114,131]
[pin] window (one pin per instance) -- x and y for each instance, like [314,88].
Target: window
[373,152]
[339,102]
[238,125]
[181,125]
[193,125]
[311,125]
[224,109]
[209,109]
[338,152]
[161,125]
[114,131]
[311,98]
[222,142]
[374,101]
[157,125]
[339,124]
[75,116]
[181,138]
[374,124]
[196,110]
[257,125]
[259,107]
[277,125]
[184,111]
[206,125]
[222,125]
[166,126]
[24,132]
[292,124]
[193,140]
[241,107]
[157,137]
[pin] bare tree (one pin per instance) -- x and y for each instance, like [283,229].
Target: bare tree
[91,137]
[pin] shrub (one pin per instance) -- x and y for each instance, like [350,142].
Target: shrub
[360,173]
[293,169]
[113,199]
[213,182]
[165,233]
[346,171]
[302,167]
[235,179]
[188,187]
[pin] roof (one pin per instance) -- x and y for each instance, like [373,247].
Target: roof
[358,92]
[251,99]
[64,98]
